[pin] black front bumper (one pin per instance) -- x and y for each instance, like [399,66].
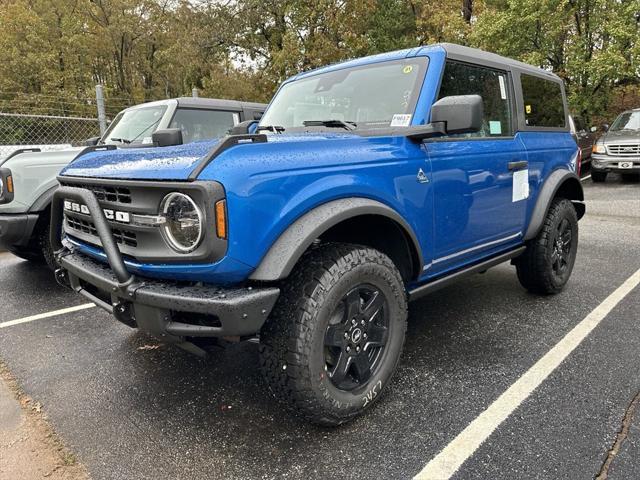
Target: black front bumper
[167,309]
[16,229]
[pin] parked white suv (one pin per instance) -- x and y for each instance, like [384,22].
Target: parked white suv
[28,176]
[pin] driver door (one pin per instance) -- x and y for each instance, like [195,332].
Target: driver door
[475,209]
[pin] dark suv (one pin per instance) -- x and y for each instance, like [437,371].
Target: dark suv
[370,183]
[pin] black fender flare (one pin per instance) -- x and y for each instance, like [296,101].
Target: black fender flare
[44,200]
[296,239]
[570,184]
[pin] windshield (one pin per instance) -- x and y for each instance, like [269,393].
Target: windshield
[134,126]
[377,95]
[627,121]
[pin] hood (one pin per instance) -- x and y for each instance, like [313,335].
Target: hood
[164,163]
[631,136]
[159,163]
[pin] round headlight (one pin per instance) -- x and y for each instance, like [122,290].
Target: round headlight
[183,222]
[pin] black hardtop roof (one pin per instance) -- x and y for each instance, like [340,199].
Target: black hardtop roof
[462,53]
[198,102]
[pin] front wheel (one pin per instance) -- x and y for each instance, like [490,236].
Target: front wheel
[546,265]
[335,337]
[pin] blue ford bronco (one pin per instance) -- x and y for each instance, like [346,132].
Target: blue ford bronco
[366,184]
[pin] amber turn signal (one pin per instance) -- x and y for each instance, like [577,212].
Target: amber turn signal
[221,219]
[10,184]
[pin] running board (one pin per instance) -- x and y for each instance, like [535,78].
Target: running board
[457,275]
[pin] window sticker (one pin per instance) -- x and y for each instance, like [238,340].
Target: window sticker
[520,185]
[401,120]
[527,109]
[407,69]
[495,127]
[503,89]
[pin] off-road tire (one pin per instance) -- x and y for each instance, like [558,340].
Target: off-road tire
[39,249]
[44,245]
[536,266]
[292,342]
[598,177]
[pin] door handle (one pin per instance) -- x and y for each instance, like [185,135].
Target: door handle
[518,165]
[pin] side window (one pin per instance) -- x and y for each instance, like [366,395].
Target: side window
[543,105]
[200,124]
[491,85]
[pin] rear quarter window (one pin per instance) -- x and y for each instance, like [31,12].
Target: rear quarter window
[543,104]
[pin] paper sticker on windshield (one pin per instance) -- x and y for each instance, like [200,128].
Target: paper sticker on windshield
[401,120]
[407,69]
[527,109]
[503,90]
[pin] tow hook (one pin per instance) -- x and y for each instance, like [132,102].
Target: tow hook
[123,313]
[62,278]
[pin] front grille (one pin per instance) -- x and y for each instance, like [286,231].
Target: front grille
[121,237]
[623,150]
[122,200]
[106,193]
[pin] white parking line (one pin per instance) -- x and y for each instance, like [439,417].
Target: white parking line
[47,315]
[584,178]
[449,460]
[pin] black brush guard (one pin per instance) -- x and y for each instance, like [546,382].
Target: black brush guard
[153,305]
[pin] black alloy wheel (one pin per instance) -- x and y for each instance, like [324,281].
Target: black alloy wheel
[356,337]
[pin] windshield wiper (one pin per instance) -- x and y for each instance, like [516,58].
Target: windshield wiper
[271,128]
[346,124]
[121,140]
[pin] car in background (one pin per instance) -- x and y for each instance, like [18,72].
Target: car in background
[618,150]
[584,135]
[28,176]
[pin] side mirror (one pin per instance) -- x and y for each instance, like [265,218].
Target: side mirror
[605,127]
[244,128]
[90,142]
[593,129]
[167,137]
[459,113]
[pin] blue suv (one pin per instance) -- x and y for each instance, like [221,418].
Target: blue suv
[365,185]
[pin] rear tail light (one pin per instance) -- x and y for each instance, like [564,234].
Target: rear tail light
[579,162]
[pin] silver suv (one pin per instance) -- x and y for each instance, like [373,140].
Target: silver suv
[618,150]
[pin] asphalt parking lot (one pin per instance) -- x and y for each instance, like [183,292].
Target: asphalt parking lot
[130,407]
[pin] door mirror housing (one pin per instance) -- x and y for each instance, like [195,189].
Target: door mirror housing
[90,142]
[167,137]
[605,127]
[459,113]
[244,128]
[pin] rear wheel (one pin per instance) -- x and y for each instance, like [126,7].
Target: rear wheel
[598,177]
[546,265]
[336,334]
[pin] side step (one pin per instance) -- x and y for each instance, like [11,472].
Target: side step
[450,278]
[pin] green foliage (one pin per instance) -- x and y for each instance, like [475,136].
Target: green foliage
[53,52]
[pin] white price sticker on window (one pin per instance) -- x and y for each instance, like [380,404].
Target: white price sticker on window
[503,88]
[401,120]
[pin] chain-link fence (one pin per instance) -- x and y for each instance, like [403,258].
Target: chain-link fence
[44,131]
